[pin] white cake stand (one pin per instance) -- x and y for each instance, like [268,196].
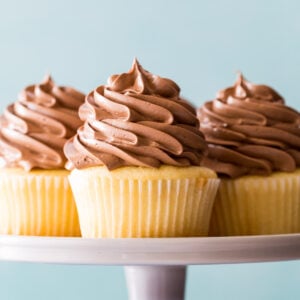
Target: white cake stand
[155,268]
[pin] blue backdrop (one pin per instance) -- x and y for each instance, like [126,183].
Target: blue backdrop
[201,45]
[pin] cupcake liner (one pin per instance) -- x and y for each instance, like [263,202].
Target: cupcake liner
[124,207]
[37,203]
[255,205]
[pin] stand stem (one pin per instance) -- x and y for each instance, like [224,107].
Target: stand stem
[155,282]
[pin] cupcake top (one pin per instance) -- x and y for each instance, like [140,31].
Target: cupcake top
[136,119]
[33,130]
[250,130]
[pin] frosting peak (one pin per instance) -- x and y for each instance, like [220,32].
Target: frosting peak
[244,89]
[139,81]
[33,130]
[250,130]
[137,119]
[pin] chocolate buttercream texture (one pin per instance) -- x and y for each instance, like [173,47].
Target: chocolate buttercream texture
[250,130]
[136,119]
[34,129]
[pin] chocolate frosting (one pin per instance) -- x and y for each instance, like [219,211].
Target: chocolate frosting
[137,119]
[34,129]
[250,130]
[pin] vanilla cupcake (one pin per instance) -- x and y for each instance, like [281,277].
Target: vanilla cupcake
[136,161]
[254,146]
[35,197]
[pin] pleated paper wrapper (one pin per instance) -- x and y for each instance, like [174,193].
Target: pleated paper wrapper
[114,207]
[37,203]
[256,205]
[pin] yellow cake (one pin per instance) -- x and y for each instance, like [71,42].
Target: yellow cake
[144,202]
[252,205]
[36,198]
[39,202]
[136,161]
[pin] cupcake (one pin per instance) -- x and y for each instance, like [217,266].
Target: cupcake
[35,197]
[254,146]
[136,161]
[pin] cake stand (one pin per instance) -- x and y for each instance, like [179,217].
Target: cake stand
[155,268]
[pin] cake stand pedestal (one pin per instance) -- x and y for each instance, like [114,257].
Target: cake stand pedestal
[155,282]
[155,268]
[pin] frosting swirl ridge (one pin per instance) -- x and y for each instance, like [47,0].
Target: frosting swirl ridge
[250,130]
[33,130]
[136,119]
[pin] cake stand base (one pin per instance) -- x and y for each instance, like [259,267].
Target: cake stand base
[155,282]
[155,268]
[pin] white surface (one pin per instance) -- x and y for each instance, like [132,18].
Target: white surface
[155,251]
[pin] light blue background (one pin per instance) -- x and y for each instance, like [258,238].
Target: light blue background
[201,45]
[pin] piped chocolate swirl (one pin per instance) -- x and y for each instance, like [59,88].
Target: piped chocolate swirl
[34,129]
[250,130]
[136,119]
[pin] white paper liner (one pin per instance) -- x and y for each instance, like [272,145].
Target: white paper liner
[143,208]
[266,205]
[37,205]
